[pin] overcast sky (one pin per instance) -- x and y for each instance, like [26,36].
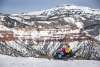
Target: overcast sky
[16,6]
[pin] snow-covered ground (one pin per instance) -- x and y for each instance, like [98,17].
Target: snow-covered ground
[7,61]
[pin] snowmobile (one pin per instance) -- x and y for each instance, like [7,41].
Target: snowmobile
[63,53]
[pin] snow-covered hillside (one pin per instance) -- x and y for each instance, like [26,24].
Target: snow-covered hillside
[43,32]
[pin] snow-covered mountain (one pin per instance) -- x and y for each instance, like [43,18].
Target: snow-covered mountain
[43,32]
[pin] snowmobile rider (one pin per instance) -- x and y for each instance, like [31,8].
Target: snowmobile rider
[64,52]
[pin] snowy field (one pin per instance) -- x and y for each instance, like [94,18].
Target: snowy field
[7,61]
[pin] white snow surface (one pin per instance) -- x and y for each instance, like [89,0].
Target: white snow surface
[7,61]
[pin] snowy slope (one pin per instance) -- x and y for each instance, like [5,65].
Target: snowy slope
[6,61]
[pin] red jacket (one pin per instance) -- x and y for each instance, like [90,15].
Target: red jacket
[63,50]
